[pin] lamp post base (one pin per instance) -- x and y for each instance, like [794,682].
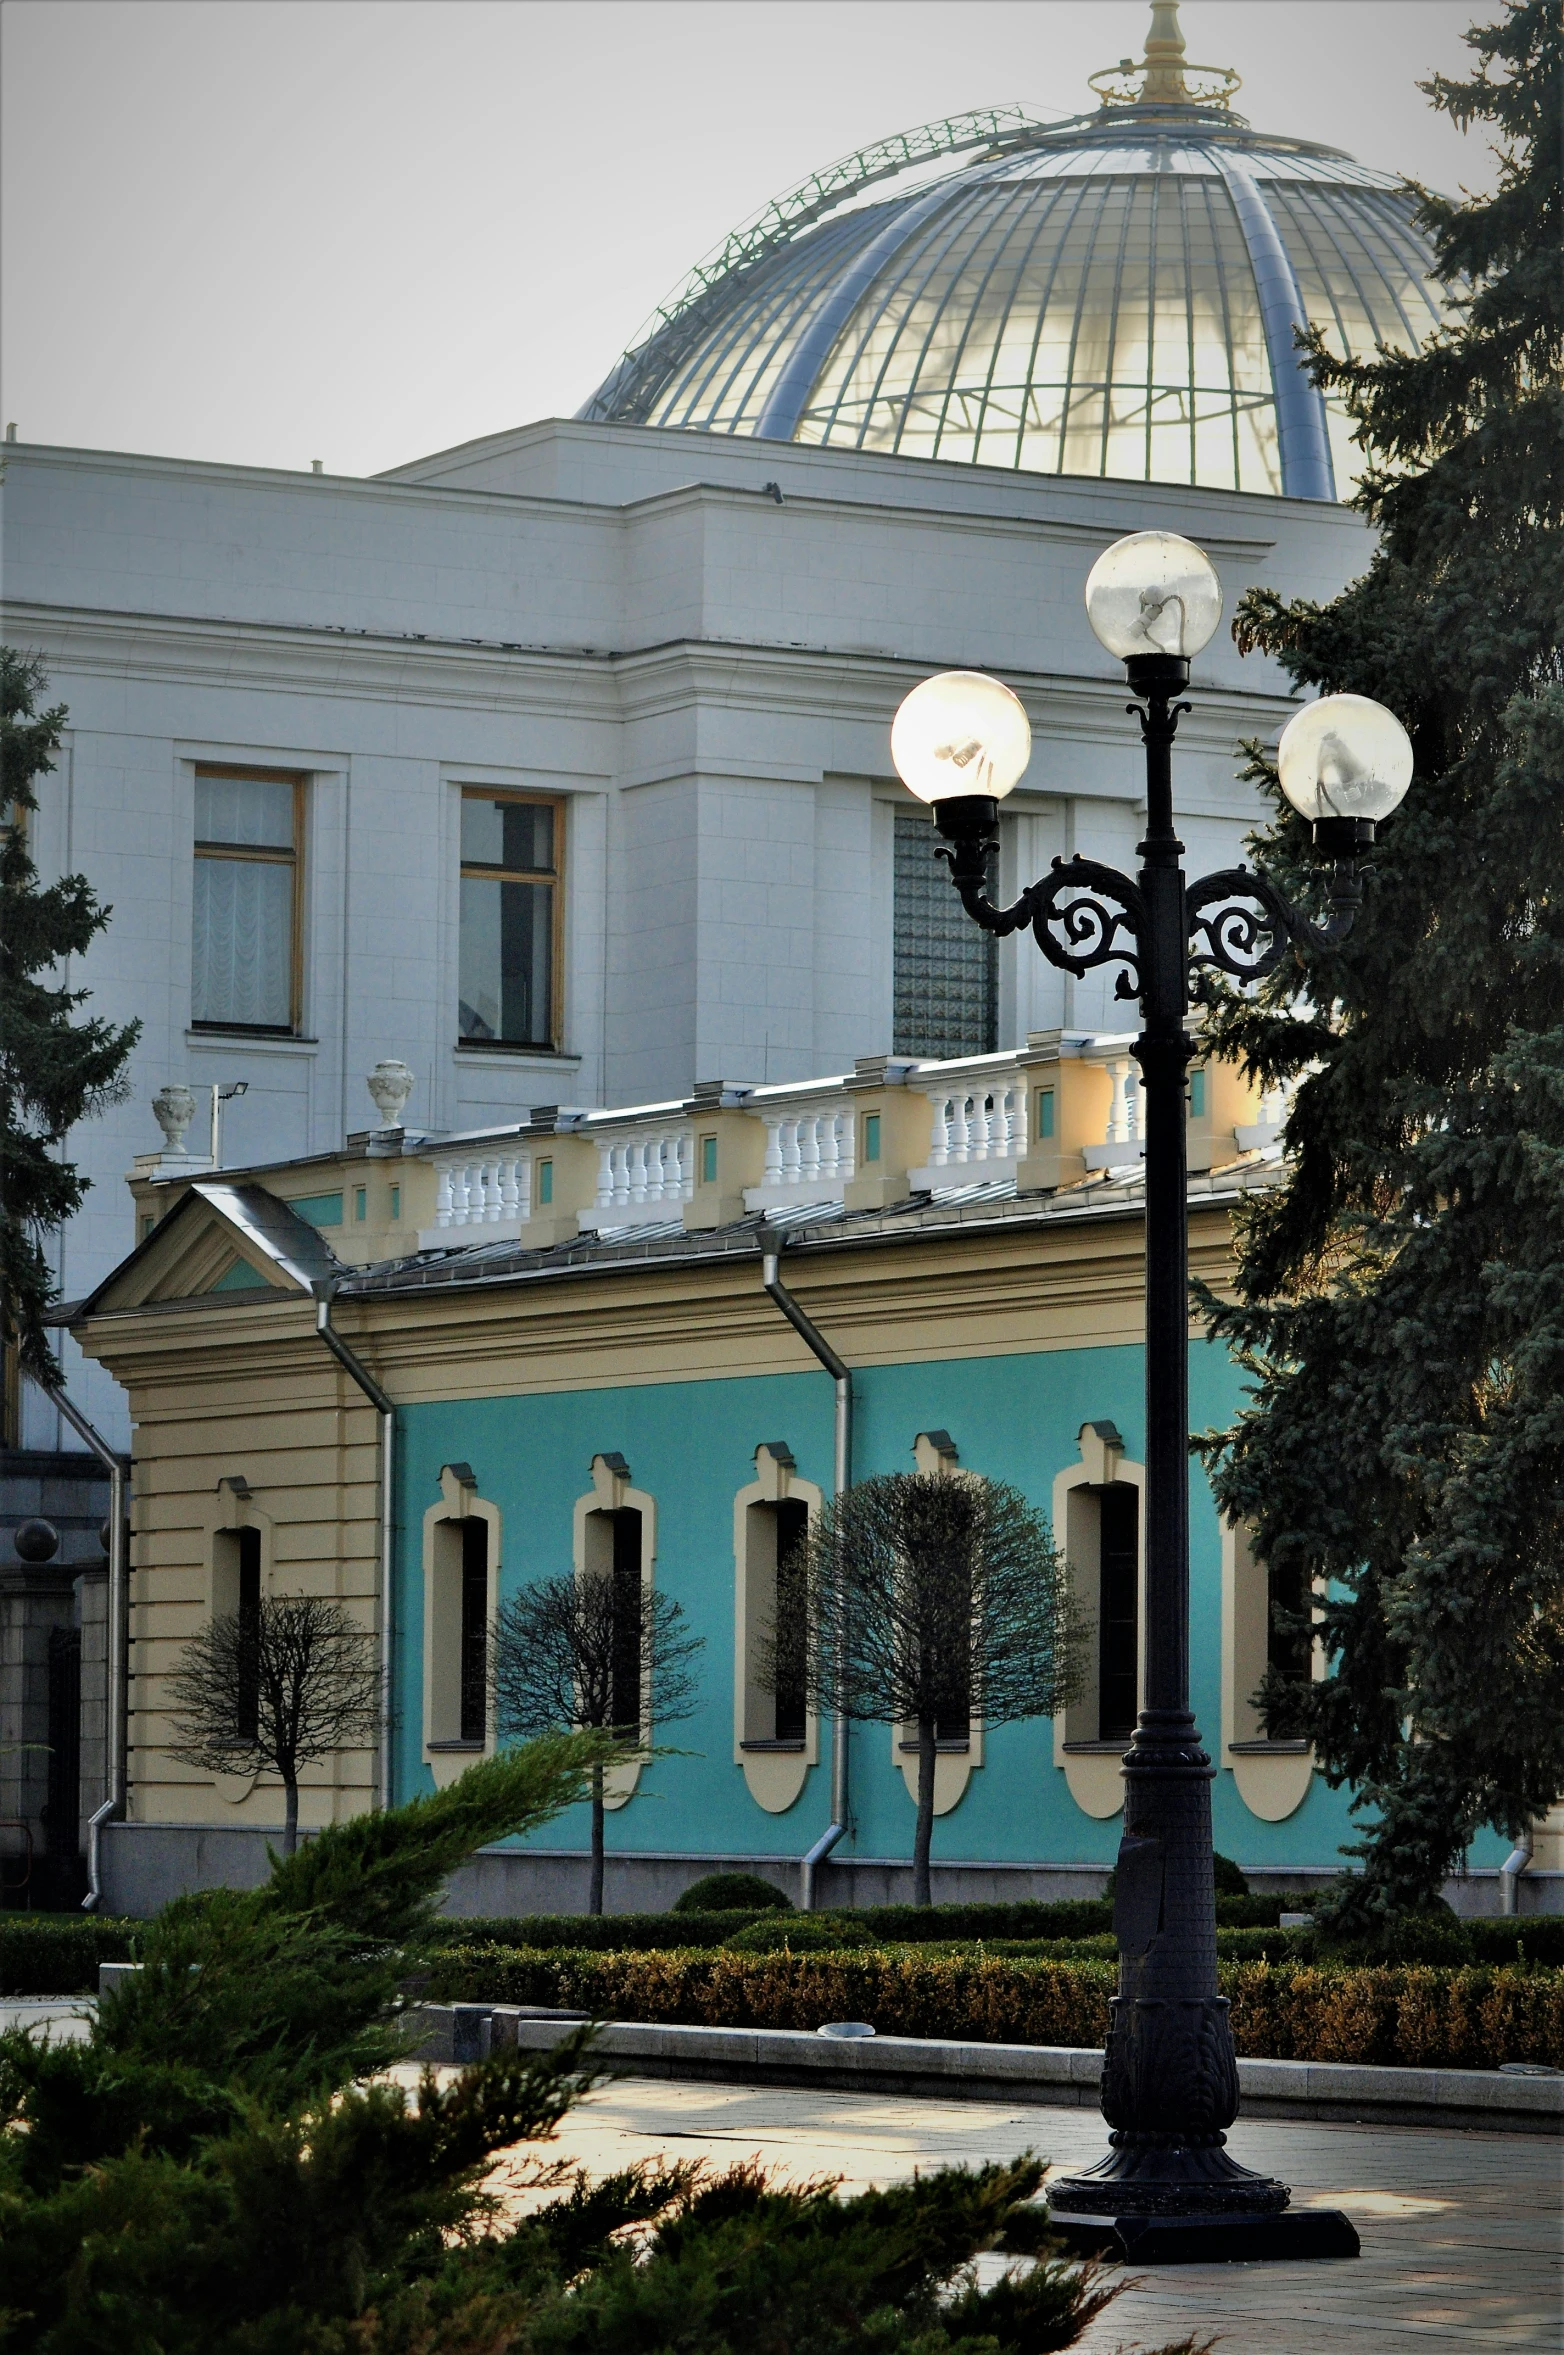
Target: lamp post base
[1288,2238]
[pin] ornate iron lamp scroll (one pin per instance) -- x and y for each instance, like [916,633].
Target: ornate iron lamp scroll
[1167,2188]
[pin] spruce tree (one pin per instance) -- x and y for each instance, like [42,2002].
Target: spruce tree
[54,1070]
[1400,1300]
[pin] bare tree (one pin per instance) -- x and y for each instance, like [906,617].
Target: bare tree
[595,1650]
[929,1598]
[270,1688]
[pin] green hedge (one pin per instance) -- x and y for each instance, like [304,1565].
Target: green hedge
[59,1954]
[1411,2015]
[603,1933]
[1530,1938]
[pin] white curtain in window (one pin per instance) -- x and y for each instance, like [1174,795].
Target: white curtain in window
[243,942]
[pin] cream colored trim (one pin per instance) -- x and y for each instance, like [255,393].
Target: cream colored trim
[1094,1780]
[611,1493]
[222,1516]
[773,1778]
[1271,1787]
[953,1769]
[442,1568]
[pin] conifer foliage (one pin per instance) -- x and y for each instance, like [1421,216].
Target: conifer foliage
[1400,1301]
[209,2173]
[53,1071]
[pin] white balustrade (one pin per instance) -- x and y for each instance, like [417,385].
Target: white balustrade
[643,1174]
[809,1152]
[1272,1110]
[1125,1142]
[978,1125]
[483,1189]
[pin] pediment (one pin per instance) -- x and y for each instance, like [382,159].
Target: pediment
[234,1243]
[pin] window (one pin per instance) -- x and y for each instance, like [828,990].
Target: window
[871,1136]
[461,1586]
[708,1161]
[1197,1094]
[510,917]
[396,1201]
[248,1613]
[1118,1619]
[626,1663]
[475,1630]
[545,1184]
[775,1736]
[1272,1774]
[945,986]
[245,970]
[1288,1648]
[1045,1112]
[360,1203]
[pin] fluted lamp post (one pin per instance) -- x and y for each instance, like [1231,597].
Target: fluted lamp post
[1167,2190]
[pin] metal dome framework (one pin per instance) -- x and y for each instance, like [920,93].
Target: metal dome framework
[1115,295]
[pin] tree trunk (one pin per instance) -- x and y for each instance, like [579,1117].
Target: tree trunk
[595,1892]
[925,1831]
[290,1812]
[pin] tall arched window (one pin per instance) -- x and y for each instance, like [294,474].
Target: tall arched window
[616,1534]
[1099,1522]
[775,1739]
[461,1591]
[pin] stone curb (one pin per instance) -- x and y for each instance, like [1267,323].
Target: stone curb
[1051,2075]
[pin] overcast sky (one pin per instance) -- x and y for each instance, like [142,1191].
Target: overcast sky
[360,230]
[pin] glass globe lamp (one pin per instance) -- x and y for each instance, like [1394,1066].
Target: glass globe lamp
[1345,763]
[1154,599]
[961,736]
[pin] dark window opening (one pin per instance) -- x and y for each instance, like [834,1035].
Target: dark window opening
[792,1522]
[509,920]
[475,1630]
[626,1657]
[1287,1648]
[1118,1613]
[63,1810]
[248,1697]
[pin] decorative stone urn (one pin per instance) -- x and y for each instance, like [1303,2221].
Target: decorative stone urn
[174,1108]
[390,1084]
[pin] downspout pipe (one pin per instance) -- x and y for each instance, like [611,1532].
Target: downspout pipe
[118,1627]
[1511,1870]
[810,1334]
[354,1367]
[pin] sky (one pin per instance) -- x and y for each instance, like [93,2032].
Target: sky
[271,231]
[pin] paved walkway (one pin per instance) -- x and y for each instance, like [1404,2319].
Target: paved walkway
[1460,2231]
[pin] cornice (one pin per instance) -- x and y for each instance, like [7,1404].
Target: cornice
[596,684]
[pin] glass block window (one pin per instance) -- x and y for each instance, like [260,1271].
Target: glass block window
[946,972]
[509,988]
[245,915]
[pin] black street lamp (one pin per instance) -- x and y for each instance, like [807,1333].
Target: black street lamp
[1167,2189]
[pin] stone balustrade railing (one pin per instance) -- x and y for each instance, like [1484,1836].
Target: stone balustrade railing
[645,1173]
[483,1188]
[811,1148]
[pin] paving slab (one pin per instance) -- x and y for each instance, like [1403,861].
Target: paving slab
[1460,2230]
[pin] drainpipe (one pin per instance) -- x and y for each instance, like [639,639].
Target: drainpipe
[809,1333]
[359,1372]
[1511,1870]
[114,1666]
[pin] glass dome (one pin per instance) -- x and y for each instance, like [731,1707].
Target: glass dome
[1115,295]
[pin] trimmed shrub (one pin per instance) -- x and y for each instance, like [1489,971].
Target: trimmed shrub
[1410,2015]
[59,1954]
[1228,1879]
[800,1933]
[732,1893]
[640,1933]
[1537,1939]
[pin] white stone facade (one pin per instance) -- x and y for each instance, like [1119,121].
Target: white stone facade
[704,671]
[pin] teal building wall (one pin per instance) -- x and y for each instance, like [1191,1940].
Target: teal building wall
[692,1446]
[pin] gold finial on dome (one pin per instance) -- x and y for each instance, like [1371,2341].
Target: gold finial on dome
[1161,78]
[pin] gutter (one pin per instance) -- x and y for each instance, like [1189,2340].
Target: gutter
[814,1339]
[1511,1870]
[115,1675]
[354,1367]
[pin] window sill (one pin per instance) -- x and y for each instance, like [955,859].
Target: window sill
[794,1746]
[1098,1749]
[291,1041]
[513,1051]
[1267,1749]
[941,1749]
[475,1747]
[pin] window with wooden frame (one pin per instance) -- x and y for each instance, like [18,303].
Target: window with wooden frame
[246,933]
[511,917]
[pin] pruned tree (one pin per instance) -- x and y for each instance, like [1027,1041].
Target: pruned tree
[598,1650]
[928,1599]
[273,1687]
[54,1070]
